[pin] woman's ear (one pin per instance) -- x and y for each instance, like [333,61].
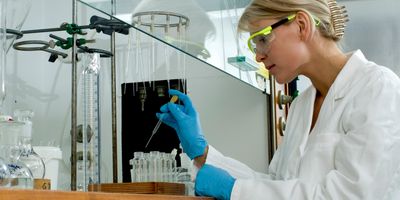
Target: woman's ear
[303,20]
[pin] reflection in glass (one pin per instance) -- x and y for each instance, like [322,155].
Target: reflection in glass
[195,25]
[16,13]
[170,21]
[165,25]
[3,52]
[211,36]
[12,16]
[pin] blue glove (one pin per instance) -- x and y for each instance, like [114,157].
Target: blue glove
[214,182]
[185,121]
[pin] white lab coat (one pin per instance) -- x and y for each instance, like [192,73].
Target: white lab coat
[353,151]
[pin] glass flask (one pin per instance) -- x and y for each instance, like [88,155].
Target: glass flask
[4,174]
[31,159]
[20,175]
[27,155]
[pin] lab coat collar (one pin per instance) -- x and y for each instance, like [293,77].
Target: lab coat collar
[344,80]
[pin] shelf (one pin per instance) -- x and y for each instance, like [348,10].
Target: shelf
[207,31]
[140,188]
[43,194]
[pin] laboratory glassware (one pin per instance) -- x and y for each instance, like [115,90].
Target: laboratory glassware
[185,173]
[153,167]
[4,174]
[20,175]
[91,119]
[3,52]
[173,100]
[27,155]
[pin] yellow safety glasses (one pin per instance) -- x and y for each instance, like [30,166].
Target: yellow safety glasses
[263,37]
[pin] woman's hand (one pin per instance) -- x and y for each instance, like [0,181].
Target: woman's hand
[184,119]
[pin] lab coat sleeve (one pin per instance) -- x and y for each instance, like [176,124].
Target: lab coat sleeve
[234,167]
[366,158]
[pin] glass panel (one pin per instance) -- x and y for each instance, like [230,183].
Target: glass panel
[206,30]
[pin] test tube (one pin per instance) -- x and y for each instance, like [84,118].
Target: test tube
[172,168]
[164,167]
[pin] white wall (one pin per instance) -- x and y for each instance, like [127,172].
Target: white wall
[374,28]
[233,114]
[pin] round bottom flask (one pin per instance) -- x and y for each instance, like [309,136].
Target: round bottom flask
[4,174]
[31,159]
[20,176]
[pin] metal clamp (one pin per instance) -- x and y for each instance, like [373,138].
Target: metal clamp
[67,43]
[13,33]
[72,29]
[42,46]
[283,99]
[103,53]
[108,26]
[281,126]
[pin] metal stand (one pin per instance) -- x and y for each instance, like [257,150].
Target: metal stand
[109,27]
[74,97]
[114,101]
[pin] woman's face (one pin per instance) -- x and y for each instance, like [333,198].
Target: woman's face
[286,52]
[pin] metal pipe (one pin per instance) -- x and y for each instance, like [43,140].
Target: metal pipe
[46,30]
[272,142]
[74,96]
[114,101]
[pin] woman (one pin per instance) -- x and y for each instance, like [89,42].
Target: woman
[342,138]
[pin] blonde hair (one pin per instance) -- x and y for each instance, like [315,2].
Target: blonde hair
[330,15]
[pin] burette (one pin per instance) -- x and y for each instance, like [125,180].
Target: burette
[91,128]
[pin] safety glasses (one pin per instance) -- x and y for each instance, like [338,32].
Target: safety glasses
[263,37]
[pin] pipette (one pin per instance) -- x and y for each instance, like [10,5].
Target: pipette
[173,100]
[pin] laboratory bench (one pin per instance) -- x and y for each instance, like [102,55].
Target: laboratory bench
[9,194]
